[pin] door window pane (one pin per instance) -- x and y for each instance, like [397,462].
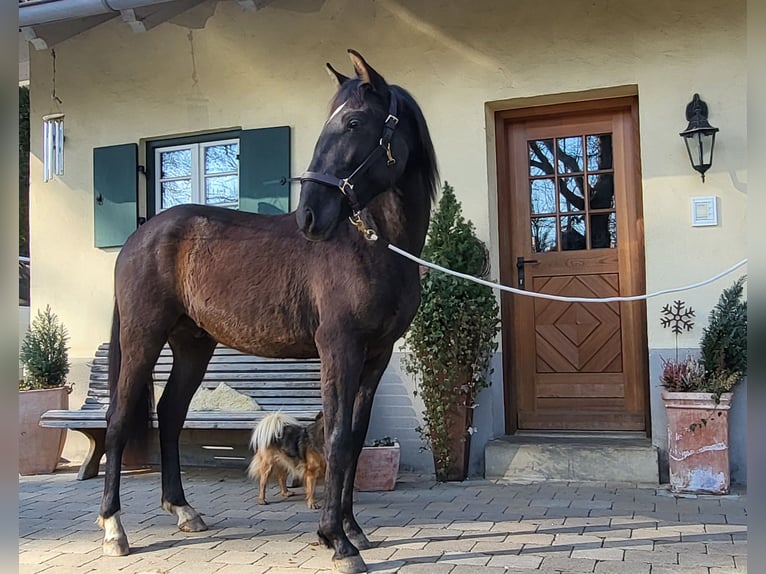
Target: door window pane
[569,155]
[176,163]
[543,234]
[176,192]
[571,196]
[542,196]
[222,158]
[540,157]
[599,149]
[601,191]
[573,233]
[603,230]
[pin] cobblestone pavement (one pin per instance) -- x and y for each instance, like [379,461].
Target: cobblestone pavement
[420,527]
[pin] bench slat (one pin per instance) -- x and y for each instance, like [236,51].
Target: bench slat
[291,385]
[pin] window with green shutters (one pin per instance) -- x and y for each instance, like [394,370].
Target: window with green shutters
[247,170]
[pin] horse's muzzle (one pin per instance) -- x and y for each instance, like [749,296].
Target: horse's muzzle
[309,225]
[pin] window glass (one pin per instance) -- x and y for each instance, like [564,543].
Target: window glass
[176,163]
[176,192]
[203,172]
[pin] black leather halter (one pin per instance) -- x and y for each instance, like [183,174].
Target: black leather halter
[346,185]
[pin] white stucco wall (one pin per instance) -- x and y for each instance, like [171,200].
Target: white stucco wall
[257,69]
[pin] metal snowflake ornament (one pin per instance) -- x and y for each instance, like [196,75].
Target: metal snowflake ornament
[678,317]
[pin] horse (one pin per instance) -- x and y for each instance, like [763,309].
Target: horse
[304,284]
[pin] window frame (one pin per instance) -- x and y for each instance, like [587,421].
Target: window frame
[153,199]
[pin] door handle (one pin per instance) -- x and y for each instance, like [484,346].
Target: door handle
[520,262]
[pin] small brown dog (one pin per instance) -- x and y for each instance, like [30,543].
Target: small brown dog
[282,445]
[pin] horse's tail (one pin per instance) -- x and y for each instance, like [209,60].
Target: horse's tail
[270,429]
[137,422]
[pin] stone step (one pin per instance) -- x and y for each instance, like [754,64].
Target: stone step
[577,458]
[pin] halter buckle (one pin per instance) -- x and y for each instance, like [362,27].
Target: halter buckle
[346,187]
[391,118]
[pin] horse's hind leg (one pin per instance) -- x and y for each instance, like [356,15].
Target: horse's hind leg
[371,375]
[133,382]
[192,350]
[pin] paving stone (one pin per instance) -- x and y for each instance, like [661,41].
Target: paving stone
[465,558]
[237,569]
[620,567]
[569,565]
[688,559]
[599,553]
[513,561]
[460,569]
[197,568]
[665,569]
[650,557]
[439,568]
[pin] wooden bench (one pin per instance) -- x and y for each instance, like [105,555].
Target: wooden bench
[209,438]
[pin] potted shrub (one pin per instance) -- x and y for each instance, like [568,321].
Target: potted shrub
[698,397]
[44,356]
[378,465]
[452,338]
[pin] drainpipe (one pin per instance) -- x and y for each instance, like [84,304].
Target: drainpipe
[36,12]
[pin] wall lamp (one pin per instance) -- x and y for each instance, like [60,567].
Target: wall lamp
[699,136]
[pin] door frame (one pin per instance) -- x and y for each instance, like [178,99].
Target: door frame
[636,279]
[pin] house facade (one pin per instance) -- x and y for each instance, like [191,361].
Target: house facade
[556,123]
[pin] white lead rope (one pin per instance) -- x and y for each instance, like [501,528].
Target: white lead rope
[561,297]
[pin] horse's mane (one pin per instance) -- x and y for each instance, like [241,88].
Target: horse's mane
[422,155]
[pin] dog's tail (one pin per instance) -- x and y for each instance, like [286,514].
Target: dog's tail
[270,429]
[267,432]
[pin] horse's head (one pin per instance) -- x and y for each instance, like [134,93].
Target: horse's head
[360,153]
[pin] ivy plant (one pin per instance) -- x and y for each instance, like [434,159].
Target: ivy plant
[452,338]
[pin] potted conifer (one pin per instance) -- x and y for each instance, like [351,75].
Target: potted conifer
[698,397]
[452,338]
[44,356]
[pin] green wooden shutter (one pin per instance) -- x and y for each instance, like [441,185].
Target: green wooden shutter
[264,170]
[115,193]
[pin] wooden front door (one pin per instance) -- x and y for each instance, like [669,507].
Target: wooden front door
[570,221]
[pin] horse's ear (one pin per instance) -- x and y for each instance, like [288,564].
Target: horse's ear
[366,73]
[336,76]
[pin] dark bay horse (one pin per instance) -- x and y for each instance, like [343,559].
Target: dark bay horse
[305,284]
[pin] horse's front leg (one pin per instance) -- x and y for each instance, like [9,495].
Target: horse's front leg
[190,358]
[371,375]
[342,360]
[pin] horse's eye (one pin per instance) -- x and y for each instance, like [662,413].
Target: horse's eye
[353,123]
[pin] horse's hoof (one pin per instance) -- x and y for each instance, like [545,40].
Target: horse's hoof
[287,494]
[116,547]
[262,501]
[349,565]
[196,524]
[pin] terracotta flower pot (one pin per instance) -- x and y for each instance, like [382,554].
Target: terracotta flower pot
[698,442]
[377,468]
[40,448]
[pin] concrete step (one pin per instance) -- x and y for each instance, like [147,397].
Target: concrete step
[572,457]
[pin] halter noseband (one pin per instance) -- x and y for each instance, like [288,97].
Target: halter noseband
[346,185]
